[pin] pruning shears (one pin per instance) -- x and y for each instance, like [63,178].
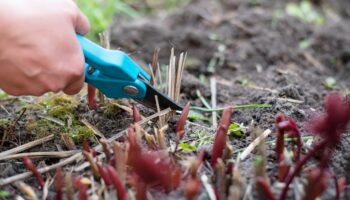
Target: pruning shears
[116,75]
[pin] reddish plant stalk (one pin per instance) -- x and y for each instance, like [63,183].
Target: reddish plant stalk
[279,137]
[58,184]
[105,148]
[141,191]
[86,146]
[339,186]
[91,94]
[104,174]
[283,169]
[136,114]
[82,188]
[219,145]
[180,125]
[299,165]
[265,187]
[152,168]
[121,193]
[221,136]
[317,183]
[132,138]
[88,156]
[192,188]
[291,128]
[31,167]
[139,186]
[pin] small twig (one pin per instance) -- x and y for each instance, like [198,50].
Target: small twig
[54,120]
[255,143]
[291,100]
[21,115]
[93,128]
[36,155]
[234,107]
[125,108]
[208,187]
[7,112]
[26,146]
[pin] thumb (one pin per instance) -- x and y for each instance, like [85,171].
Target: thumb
[82,24]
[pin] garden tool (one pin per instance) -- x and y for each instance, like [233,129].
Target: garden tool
[116,75]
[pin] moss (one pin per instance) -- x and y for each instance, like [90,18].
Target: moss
[41,128]
[61,112]
[111,110]
[79,133]
[4,124]
[59,100]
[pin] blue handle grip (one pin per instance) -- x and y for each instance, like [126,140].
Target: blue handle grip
[113,70]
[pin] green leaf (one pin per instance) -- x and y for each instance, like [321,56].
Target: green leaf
[193,115]
[4,193]
[216,37]
[235,129]
[187,147]
[305,12]
[330,83]
[3,94]
[258,161]
[304,44]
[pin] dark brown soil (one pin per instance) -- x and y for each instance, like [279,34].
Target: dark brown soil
[258,60]
[261,60]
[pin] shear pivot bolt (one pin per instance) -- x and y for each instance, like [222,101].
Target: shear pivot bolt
[131,90]
[91,70]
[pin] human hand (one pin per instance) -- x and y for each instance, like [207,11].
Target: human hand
[39,51]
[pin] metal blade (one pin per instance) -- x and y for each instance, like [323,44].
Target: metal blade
[164,101]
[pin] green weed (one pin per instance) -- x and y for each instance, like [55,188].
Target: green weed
[305,12]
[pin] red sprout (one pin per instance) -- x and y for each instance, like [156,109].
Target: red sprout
[31,167]
[117,183]
[292,130]
[105,149]
[180,125]
[217,193]
[82,188]
[139,186]
[152,168]
[105,176]
[132,139]
[264,186]
[91,97]
[192,189]
[340,185]
[229,169]
[221,136]
[330,126]
[196,164]
[58,184]
[283,169]
[136,114]
[279,137]
[317,183]
[86,146]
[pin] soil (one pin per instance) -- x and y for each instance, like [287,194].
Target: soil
[255,55]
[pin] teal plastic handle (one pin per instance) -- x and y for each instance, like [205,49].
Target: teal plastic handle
[111,71]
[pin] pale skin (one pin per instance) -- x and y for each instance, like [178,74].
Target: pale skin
[39,51]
